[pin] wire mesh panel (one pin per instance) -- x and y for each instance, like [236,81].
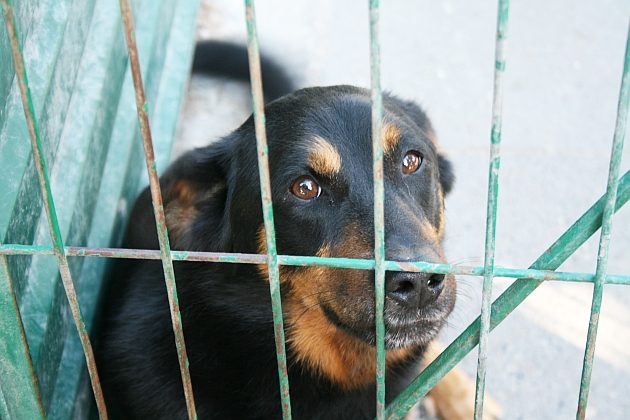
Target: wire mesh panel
[36,393]
[82,96]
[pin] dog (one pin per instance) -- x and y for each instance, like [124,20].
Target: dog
[320,158]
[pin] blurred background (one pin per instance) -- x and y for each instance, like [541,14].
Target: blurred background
[564,64]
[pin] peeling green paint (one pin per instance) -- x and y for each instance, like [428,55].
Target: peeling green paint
[379,200]
[492,207]
[604,239]
[267,205]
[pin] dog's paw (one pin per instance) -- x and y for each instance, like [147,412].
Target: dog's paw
[453,398]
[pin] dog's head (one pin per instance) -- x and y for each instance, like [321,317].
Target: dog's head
[320,156]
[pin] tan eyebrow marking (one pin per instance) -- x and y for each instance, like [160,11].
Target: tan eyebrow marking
[391,137]
[323,157]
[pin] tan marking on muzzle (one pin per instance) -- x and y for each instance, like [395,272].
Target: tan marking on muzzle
[318,344]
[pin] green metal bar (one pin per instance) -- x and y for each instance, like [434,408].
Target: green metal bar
[21,389]
[158,207]
[267,205]
[304,261]
[604,239]
[49,205]
[491,218]
[379,198]
[514,295]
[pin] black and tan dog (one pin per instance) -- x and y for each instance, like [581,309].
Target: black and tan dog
[321,171]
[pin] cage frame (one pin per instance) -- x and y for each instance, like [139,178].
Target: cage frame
[492,313]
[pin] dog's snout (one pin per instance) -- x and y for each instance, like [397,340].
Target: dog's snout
[413,290]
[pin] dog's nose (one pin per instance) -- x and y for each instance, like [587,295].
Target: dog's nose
[413,290]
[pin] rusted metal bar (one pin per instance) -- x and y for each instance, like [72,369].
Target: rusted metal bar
[158,207]
[492,206]
[267,205]
[303,261]
[49,204]
[604,239]
[379,211]
[379,199]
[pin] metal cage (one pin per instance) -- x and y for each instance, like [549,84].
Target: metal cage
[492,313]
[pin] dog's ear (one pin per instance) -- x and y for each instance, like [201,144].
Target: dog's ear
[447,177]
[194,191]
[419,118]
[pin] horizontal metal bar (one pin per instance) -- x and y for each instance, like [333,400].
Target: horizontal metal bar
[304,261]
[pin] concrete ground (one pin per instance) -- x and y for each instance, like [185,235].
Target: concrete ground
[564,62]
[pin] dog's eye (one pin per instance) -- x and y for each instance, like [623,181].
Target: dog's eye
[411,162]
[306,188]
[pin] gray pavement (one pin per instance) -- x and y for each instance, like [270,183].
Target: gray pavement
[564,61]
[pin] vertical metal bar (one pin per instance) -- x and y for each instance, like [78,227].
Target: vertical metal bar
[379,212]
[493,192]
[604,239]
[267,207]
[49,204]
[158,207]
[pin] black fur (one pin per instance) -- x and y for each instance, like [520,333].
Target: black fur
[226,309]
[218,58]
